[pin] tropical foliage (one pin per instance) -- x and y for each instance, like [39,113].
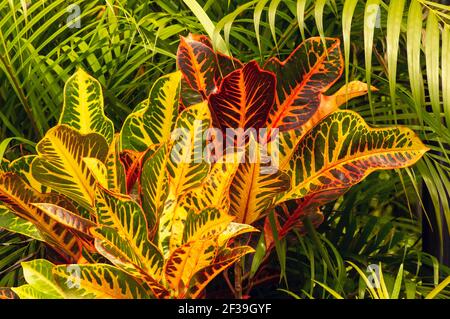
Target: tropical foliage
[133,213]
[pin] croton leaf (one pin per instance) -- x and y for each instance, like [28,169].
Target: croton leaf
[328,104]
[22,166]
[153,120]
[171,224]
[311,69]
[197,62]
[97,281]
[115,172]
[16,224]
[38,274]
[233,230]
[7,293]
[124,228]
[83,106]
[18,196]
[255,185]
[187,165]
[244,99]
[97,169]
[29,292]
[131,162]
[291,215]
[204,276]
[154,185]
[206,224]
[225,64]
[60,166]
[66,217]
[214,190]
[188,96]
[341,151]
[186,260]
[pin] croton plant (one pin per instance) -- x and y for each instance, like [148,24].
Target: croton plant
[146,213]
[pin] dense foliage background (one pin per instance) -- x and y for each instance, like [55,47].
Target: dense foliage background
[397,220]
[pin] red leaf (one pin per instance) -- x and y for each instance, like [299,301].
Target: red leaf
[309,71]
[197,62]
[244,99]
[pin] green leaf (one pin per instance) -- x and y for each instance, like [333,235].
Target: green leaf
[38,274]
[394,22]
[15,224]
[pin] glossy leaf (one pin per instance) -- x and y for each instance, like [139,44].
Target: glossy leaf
[154,119]
[206,224]
[341,151]
[328,104]
[19,196]
[16,224]
[310,70]
[187,165]
[154,185]
[115,173]
[124,228]
[197,62]
[205,275]
[171,225]
[59,164]
[97,281]
[244,98]
[186,260]
[214,190]
[83,106]
[38,274]
[66,217]
[255,185]
[22,166]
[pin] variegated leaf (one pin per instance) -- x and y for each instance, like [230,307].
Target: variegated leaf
[341,151]
[187,164]
[97,281]
[59,164]
[197,62]
[66,217]
[154,120]
[115,172]
[185,261]
[29,292]
[38,274]
[311,69]
[255,185]
[209,223]
[18,196]
[215,188]
[328,104]
[244,98]
[171,225]
[233,230]
[126,230]
[22,166]
[16,224]
[204,276]
[98,170]
[83,106]
[154,186]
